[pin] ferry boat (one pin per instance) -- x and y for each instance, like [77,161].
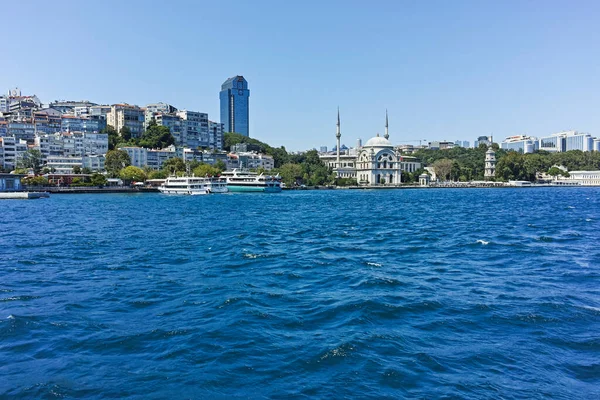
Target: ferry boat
[193,186]
[245,181]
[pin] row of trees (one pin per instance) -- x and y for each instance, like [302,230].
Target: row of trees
[154,137]
[461,164]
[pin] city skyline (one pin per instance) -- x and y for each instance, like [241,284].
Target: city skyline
[445,71]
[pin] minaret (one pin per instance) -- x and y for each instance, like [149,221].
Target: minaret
[387,135]
[490,163]
[338,135]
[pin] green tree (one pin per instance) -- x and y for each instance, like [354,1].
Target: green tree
[115,161]
[157,175]
[113,136]
[174,165]
[290,173]
[156,137]
[125,133]
[132,174]
[86,170]
[31,159]
[34,181]
[98,179]
[555,171]
[220,165]
[76,169]
[206,170]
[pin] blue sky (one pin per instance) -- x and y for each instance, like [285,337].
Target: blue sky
[445,70]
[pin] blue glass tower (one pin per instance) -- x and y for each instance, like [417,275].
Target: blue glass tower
[235,112]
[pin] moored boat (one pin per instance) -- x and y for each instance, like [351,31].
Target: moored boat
[193,186]
[245,181]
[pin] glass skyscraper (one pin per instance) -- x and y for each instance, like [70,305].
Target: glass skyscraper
[235,112]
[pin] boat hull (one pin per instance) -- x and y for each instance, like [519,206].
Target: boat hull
[257,189]
[183,192]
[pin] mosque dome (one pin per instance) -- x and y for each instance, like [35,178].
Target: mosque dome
[378,141]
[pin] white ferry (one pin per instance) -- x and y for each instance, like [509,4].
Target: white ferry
[245,181]
[190,185]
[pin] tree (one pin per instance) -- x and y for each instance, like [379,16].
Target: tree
[86,170]
[31,159]
[132,174]
[290,173]
[113,136]
[555,171]
[156,137]
[443,168]
[174,165]
[76,169]
[115,161]
[34,181]
[98,180]
[206,170]
[156,175]
[220,165]
[125,133]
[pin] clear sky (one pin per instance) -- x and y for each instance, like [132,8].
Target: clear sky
[445,70]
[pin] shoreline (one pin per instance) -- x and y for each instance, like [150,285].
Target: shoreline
[35,192]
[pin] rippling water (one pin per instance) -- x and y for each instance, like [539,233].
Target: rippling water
[447,293]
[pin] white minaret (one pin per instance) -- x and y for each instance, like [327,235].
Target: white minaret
[338,135]
[387,135]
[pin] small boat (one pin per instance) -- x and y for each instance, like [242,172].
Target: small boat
[193,186]
[245,181]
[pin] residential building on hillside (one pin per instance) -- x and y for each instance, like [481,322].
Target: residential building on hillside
[157,108]
[65,164]
[72,123]
[195,128]
[235,112]
[122,115]
[174,123]
[72,144]
[12,151]
[67,106]
[215,135]
[252,160]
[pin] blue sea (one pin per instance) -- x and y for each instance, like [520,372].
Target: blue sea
[333,294]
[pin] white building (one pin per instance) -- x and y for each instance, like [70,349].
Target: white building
[520,143]
[252,160]
[196,128]
[11,151]
[72,144]
[583,178]
[567,140]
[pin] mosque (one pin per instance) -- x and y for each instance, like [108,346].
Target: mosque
[375,163]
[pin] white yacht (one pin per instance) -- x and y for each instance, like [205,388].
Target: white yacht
[190,185]
[245,181]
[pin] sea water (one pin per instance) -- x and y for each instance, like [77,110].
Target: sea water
[438,293]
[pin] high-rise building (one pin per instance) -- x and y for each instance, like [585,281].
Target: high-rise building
[235,111]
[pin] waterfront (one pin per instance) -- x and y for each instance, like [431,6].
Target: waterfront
[307,294]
